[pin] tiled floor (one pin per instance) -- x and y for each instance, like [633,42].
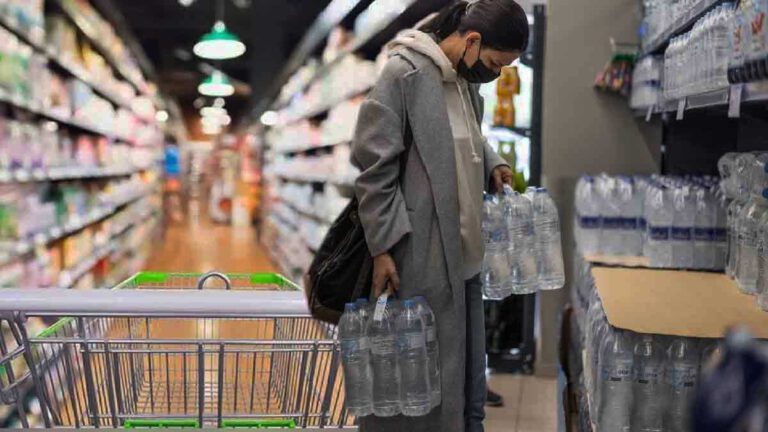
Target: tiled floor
[530,404]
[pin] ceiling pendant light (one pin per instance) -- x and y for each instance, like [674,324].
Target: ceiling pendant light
[219,44]
[216,85]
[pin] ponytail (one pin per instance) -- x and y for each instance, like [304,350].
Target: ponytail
[503,24]
[447,20]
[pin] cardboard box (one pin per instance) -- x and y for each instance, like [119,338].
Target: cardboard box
[675,302]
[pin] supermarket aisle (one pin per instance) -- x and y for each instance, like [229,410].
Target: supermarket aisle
[199,246]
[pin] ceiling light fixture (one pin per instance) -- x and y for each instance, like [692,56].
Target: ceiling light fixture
[216,85]
[161,116]
[219,44]
[269,118]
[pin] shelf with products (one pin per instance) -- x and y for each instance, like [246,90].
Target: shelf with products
[24,175]
[679,25]
[67,65]
[15,249]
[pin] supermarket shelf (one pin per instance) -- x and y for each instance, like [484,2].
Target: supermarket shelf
[64,173]
[326,105]
[311,146]
[507,133]
[676,302]
[355,45]
[59,232]
[93,38]
[51,115]
[685,25]
[66,65]
[308,212]
[619,260]
[751,93]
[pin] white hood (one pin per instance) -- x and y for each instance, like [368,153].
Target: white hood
[423,43]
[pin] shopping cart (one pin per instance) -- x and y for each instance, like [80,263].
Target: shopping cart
[156,352]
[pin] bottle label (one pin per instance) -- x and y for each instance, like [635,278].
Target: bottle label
[383,345]
[411,341]
[704,234]
[681,233]
[612,223]
[658,233]
[721,235]
[648,375]
[620,370]
[431,334]
[352,346]
[757,27]
[682,376]
[381,305]
[628,224]
[589,222]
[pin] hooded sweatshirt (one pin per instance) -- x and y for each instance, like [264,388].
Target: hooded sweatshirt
[468,145]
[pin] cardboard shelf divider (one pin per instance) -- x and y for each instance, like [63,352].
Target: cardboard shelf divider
[676,302]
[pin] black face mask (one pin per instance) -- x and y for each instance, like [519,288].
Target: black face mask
[478,73]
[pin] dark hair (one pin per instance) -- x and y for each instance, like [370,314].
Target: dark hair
[502,23]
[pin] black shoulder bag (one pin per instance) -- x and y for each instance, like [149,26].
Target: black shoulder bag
[342,270]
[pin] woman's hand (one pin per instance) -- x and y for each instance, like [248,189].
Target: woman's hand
[384,274]
[500,176]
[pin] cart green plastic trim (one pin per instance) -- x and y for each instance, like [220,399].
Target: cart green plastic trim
[266,279]
[53,328]
[161,423]
[149,277]
[258,424]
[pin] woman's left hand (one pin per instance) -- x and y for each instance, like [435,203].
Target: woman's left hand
[500,176]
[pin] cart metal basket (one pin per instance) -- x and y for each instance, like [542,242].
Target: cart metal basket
[160,351]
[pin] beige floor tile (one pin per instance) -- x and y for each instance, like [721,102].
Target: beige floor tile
[538,406]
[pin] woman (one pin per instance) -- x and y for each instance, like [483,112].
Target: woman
[424,165]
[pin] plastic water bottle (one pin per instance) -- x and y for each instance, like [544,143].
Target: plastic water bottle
[610,235]
[648,407]
[615,396]
[356,361]
[680,377]
[588,219]
[762,262]
[495,271]
[659,216]
[747,225]
[521,257]
[682,228]
[412,349]
[704,230]
[364,310]
[631,206]
[433,350]
[384,359]
[549,250]
[721,231]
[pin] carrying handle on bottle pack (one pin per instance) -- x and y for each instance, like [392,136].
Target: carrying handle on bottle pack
[211,274]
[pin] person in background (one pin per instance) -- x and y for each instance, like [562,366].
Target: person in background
[424,166]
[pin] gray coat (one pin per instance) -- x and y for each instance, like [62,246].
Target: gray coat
[415,216]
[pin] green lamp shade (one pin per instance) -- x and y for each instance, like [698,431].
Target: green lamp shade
[216,85]
[219,44]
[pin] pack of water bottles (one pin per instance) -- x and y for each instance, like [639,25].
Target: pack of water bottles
[523,250]
[675,222]
[745,186]
[637,382]
[390,357]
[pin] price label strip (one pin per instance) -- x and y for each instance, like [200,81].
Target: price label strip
[381,305]
[734,100]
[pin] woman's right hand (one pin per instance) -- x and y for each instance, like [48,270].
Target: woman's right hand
[384,275]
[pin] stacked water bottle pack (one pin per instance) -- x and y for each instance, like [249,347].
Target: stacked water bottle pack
[523,250]
[637,382]
[745,185]
[675,222]
[390,358]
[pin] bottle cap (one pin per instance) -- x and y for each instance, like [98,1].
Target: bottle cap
[541,190]
[488,197]
[350,307]
[362,301]
[409,303]
[419,298]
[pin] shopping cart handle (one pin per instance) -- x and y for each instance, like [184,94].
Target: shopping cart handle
[146,302]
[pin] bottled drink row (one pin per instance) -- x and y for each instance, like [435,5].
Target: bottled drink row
[390,357]
[637,382]
[676,222]
[728,45]
[663,16]
[523,250]
[698,61]
[744,185]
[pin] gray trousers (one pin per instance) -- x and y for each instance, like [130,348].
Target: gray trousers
[475,385]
